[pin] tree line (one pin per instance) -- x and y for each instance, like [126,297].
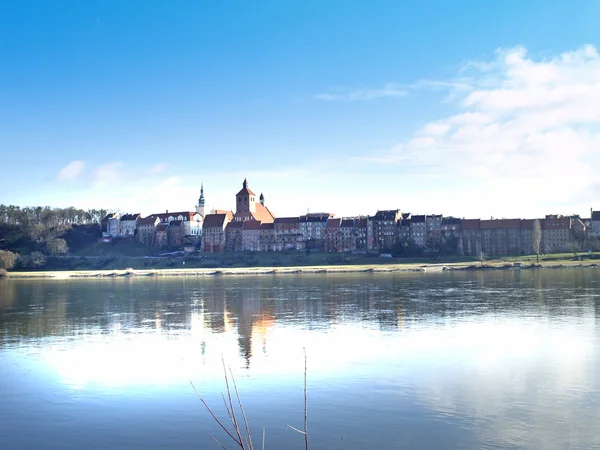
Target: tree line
[28,235]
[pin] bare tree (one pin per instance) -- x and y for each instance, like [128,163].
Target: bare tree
[537,238]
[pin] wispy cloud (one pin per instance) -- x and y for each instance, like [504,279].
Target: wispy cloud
[527,131]
[157,168]
[387,91]
[106,175]
[71,171]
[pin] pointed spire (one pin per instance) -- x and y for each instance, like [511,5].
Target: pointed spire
[262,199]
[245,184]
[201,199]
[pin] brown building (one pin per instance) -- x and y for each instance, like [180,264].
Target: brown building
[361,234]
[501,236]
[557,234]
[384,228]
[267,237]
[346,235]
[526,231]
[251,236]
[332,235]
[145,230]
[403,230]
[418,230]
[471,236]
[312,228]
[249,207]
[213,234]
[433,225]
[175,233]
[287,234]
[161,239]
[233,236]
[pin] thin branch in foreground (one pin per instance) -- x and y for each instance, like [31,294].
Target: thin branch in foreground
[305,431]
[244,442]
[214,416]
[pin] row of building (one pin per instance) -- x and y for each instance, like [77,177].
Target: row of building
[253,227]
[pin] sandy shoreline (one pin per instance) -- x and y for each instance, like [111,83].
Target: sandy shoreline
[500,265]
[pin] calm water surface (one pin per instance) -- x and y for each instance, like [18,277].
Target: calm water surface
[395,361]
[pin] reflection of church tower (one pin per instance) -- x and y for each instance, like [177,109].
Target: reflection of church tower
[200,207]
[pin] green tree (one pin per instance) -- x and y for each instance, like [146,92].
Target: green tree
[57,246]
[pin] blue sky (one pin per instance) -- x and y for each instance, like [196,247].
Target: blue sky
[465,108]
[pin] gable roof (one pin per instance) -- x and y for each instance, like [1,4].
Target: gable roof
[500,223]
[214,220]
[147,221]
[470,224]
[361,223]
[251,225]
[130,217]
[390,214]
[333,224]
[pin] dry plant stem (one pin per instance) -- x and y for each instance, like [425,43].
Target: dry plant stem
[305,405]
[244,444]
[214,416]
[242,410]
[232,411]
[305,432]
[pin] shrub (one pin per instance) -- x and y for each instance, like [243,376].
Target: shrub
[8,259]
[36,260]
[3,273]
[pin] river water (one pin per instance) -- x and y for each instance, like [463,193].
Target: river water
[459,360]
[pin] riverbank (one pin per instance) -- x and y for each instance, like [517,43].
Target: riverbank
[364,268]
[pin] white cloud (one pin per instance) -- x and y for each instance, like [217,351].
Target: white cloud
[71,171]
[387,91]
[107,175]
[526,134]
[157,168]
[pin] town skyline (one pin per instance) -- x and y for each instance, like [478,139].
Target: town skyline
[480,111]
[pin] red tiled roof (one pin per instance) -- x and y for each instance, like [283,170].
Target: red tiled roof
[262,214]
[333,224]
[164,216]
[232,225]
[245,191]
[386,215]
[527,224]
[470,224]
[251,225]
[500,223]
[214,220]
[361,223]
[556,224]
[147,221]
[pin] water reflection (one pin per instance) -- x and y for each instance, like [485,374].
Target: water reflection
[497,359]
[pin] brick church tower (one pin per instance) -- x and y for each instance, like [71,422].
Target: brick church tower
[245,200]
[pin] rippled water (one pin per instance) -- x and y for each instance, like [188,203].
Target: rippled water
[503,359]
